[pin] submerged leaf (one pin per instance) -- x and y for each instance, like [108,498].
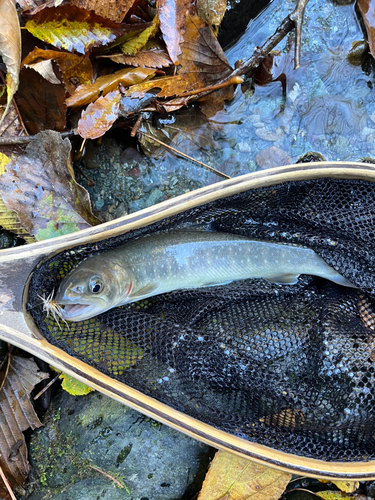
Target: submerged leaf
[105,84]
[172,14]
[16,415]
[40,187]
[235,478]
[99,116]
[10,47]
[73,29]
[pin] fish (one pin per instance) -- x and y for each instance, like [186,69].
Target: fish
[179,260]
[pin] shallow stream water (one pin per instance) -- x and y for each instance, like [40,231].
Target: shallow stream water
[327,107]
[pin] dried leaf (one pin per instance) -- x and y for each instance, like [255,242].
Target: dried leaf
[135,44]
[16,415]
[73,29]
[8,218]
[10,127]
[45,69]
[10,47]
[367,10]
[40,187]
[202,57]
[235,478]
[41,103]
[212,11]
[99,116]
[172,14]
[76,70]
[105,84]
[115,10]
[154,58]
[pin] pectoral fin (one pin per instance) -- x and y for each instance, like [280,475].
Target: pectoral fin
[147,291]
[283,279]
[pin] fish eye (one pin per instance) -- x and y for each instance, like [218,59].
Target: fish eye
[96,285]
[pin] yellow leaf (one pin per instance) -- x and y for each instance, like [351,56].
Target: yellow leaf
[135,44]
[336,495]
[234,478]
[73,386]
[8,218]
[347,486]
[10,47]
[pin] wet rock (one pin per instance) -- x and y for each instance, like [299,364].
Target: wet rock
[150,460]
[272,157]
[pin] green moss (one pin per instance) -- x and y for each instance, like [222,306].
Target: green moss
[123,454]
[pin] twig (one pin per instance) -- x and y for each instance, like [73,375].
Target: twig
[185,156]
[8,487]
[136,125]
[45,388]
[107,475]
[297,17]
[11,141]
[6,371]
[303,489]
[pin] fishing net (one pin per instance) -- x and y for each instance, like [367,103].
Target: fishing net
[287,366]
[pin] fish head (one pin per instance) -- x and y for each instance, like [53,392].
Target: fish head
[92,288]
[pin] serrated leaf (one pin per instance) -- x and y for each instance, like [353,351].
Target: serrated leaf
[10,47]
[17,415]
[40,187]
[105,84]
[73,29]
[99,116]
[153,58]
[8,218]
[135,44]
[233,478]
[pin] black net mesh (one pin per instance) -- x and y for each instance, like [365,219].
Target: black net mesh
[287,366]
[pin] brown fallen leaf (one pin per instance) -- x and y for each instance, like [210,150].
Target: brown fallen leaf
[172,14]
[99,116]
[10,47]
[16,415]
[367,10]
[40,187]
[115,10]
[169,86]
[202,58]
[85,94]
[234,478]
[75,29]
[41,103]
[153,58]
[76,69]
[212,11]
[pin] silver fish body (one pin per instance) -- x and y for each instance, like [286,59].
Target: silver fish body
[175,260]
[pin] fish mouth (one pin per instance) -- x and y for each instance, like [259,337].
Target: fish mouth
[77,312]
